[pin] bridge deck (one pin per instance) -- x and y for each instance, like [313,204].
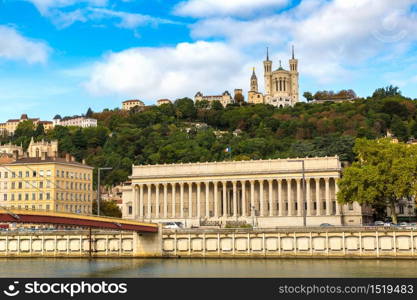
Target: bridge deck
[68,219]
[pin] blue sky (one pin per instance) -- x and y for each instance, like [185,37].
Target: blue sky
[63,56]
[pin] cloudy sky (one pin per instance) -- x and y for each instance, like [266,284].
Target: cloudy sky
[63,56]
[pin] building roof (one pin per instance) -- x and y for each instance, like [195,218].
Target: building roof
[37,160]
[132,100]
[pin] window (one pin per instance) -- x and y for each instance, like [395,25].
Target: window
[57,173]
[401,209]
[26,197]
[48,196]
[20,184]
[13,175]
[12,197]
[41,184]
[130,209]
[41,173]
[19,197]
[48,173]
[350,205]
[33,196]
[27,173]
[6,174]
[20,174]
[34,174]
[40,196]
[5,197]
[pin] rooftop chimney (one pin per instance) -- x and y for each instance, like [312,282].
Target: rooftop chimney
[16,155]
[67,157]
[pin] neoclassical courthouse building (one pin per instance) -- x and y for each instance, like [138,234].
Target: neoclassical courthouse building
[264,193]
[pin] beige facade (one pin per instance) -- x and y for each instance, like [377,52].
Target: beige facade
[224,98]
[281,86]
[129,104]
[35,149]
[263,193]
[163,101]
[44,183]
[10,126]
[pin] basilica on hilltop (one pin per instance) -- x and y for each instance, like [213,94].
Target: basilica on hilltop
[281,86]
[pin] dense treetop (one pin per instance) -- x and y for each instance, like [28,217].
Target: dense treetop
[185,132]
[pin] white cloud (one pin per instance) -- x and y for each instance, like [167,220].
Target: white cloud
[330,36]
[127,20]
[152,73]
[44,6]
[14,46]
[204,8]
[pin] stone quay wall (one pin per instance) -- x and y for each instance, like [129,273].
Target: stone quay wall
[217,243]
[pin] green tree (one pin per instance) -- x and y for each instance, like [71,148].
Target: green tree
[399,129]
[389,91]
[309,96]
[25,128]
[107,208]
[89,113]
[40,130]
[185,108]
[383,174]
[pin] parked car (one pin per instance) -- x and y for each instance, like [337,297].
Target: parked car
[172,225]
[379,223]
[326,225]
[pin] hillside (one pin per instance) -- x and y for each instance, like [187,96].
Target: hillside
[182,132]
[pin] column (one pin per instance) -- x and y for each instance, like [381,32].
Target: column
[135,203]
[299,199]
[198,200]
[280,200]
[289,199]
[328,203]
[234,199]
[149,200]
[308,197]
[182,199]
[271,208]
[157,201]
[261,197]
[190,199]
[216,199]
[224,198]
[207,189]
[252,198]
[336,190]
[243,184]
[141,200]
[173,200]
[318,200]
[165,200]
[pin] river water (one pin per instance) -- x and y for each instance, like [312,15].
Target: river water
[51,267]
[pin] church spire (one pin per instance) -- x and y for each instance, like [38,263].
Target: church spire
[293,55]
[267,53]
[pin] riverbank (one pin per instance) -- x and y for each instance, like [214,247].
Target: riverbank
[216,243]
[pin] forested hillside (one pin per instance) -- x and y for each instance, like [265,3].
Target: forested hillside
[184,132]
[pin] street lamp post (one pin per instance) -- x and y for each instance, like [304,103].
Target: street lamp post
[98,188]
[304,190]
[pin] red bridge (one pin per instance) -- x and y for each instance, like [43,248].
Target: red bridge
[68,219]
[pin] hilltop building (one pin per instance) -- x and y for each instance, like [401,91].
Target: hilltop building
[281,86]
[224,98]
[77,121]
[129,104]
[163,101]
[10,126]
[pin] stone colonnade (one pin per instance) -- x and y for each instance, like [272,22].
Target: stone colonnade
[220,199]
